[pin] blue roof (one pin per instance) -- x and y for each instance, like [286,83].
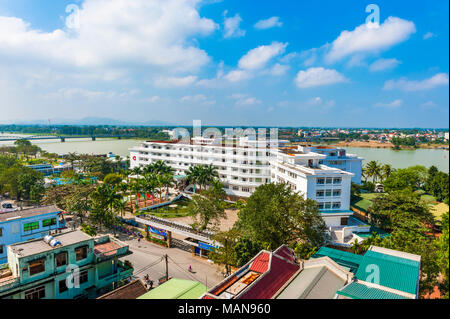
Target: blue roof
[359,291]
[342,258]
[391,271]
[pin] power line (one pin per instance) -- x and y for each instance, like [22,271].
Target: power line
[148,266]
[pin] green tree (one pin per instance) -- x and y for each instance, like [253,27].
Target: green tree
[208,208]
[275,215]
[400,210]
[225,253]
[443,256]
[245,249]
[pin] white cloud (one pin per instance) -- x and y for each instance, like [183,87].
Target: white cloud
[365,39]
[197,99]
[237,75]
[313,77]
[279,69]
[258,57]
[154,99]
[232,27]
[393,104]
[171,82]
[428,35]
[383,64]
[244,99]
[404,84]
[268,23]
[115,33]
[428,104]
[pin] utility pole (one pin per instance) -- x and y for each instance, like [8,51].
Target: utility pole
[167,266]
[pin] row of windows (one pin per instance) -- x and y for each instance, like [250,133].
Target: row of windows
[35,225]
[329,180]
[329,205]
[61,259]
[328,193]
[39,292]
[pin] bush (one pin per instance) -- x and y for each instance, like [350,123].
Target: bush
[88,229]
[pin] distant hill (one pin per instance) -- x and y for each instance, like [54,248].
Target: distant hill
[94,121]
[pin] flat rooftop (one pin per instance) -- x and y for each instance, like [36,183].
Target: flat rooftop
[29,212]
[39,245]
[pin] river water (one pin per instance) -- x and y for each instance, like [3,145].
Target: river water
[398,159]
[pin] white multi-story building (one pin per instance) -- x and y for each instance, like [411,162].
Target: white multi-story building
[242,166]
[245,164]
[338,158]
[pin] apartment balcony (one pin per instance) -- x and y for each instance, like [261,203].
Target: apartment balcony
[7,279]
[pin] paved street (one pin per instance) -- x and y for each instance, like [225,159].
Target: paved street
[147,258]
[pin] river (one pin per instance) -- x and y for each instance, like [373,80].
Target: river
[398,159]
[404,158]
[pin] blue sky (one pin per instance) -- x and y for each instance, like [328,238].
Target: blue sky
[283,63]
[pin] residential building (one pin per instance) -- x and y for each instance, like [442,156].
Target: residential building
[380,273]
[26,224]
[67,266]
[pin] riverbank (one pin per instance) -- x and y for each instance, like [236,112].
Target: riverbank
[377,144]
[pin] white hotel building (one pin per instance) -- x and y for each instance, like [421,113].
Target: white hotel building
[244,166]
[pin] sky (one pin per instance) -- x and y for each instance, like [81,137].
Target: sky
[229,62]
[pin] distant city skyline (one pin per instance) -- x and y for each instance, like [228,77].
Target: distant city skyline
[227,63]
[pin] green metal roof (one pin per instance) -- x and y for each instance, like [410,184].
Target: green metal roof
[394,272]
[176,289]
[342,258]
[359,291]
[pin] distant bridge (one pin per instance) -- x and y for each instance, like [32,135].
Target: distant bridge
[62,138]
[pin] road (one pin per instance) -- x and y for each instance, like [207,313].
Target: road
[148,258]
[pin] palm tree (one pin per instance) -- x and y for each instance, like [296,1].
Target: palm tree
[386,171]
[167,180]
[192,175]
[150,185]
[207,175]
[373,170]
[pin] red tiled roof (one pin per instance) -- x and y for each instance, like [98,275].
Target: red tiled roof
[285,252]
[266,287]
[261,263]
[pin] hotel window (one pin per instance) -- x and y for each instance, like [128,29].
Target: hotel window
[321,205]
[321,181]
[319,193]
[37,266]
[1,249]
[84,277]
[1,232]
[61,259]
[336,192]
[245,189]
[337,181]
[30,226]
[336,205]
[37,293]
[49,222]
[328,192]
[235,188]
[81,253]
[62,286]
[327,205]
[329,180]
